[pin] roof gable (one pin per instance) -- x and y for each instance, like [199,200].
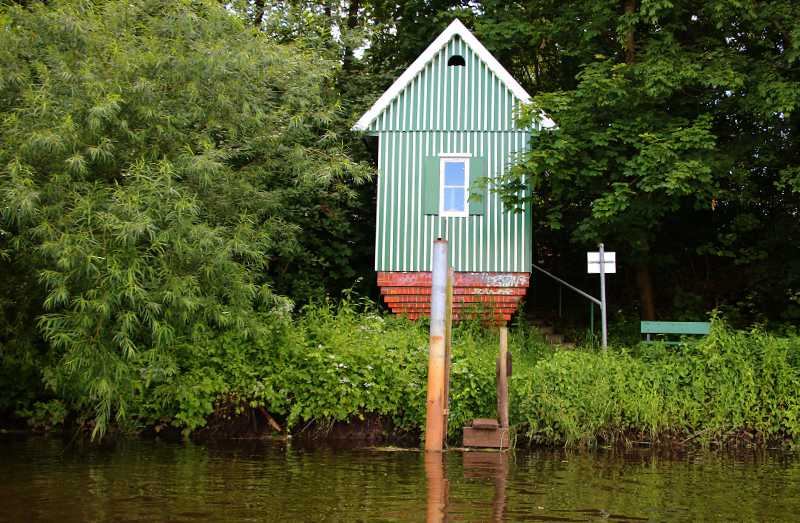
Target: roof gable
[455,29]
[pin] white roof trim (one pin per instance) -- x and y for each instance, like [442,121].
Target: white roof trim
[455,28]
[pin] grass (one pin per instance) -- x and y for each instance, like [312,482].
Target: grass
[729,387]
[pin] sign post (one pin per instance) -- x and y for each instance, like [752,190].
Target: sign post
[603,316]
[602,263]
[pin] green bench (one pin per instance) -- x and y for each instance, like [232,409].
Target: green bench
[680,328]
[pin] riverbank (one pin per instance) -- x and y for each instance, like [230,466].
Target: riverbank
[347,371]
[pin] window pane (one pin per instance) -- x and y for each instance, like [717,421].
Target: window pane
[454,199]
[454,173]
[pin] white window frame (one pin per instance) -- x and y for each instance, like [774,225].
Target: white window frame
[445,158]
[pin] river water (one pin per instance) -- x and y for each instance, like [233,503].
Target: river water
[47,479]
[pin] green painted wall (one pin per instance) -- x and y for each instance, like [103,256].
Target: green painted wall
[448,110]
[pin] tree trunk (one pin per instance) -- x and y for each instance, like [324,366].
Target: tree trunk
[630,35]
[258,13]
[352,23]
[643,277]
[645,281]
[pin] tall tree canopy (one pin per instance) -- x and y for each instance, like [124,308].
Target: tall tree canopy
[158,166]
[677,133]
[171,170]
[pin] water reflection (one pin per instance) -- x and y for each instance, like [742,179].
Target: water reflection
[139,481]
[491,466]
[438,487]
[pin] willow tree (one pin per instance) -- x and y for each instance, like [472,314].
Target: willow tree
[156,159]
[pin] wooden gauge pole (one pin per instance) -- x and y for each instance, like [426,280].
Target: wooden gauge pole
[437,355]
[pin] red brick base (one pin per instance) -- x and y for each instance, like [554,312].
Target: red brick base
[487,295]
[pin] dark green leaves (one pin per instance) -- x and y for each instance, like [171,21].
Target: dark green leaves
[157,159]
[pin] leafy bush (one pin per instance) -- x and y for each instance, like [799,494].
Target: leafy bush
[333,363]
[342,361]
[729,383]
[159,160]
[45,415]
[337,362]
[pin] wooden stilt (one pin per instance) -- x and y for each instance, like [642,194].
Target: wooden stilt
[448,344]
[494,433]
[502,379]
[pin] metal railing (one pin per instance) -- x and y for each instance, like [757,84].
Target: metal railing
[592,299]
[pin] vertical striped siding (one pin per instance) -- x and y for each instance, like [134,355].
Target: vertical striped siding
[442,98]
[498,241]
[446,110]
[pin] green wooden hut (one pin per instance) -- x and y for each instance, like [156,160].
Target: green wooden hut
[446,122]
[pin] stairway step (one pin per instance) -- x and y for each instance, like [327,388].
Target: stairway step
[490,438]
[485,424]
[554,339]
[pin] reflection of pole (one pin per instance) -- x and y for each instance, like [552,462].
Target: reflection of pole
[489,465]
[499,499]
[434,430]
[603,296]
[502,379]
[437,487]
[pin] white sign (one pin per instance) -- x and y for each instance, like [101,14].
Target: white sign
[593,262]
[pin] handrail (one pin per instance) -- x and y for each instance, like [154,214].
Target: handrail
[559,280]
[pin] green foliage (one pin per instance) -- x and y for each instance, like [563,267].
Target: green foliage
[159,163]
[45,415]
[174,175]
[341,362]
[334,363]
[643,124]
[676,140]
[366,362]
[730,383]
[344,361]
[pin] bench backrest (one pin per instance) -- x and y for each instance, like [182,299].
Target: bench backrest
[675,327]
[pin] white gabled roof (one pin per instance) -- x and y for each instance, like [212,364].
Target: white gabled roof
[455,28]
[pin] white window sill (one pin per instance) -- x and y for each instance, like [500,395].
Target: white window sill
[455,155]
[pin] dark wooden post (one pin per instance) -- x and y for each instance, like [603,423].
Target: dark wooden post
[448,344]
[502,379]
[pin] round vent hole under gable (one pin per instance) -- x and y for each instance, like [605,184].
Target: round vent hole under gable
[456,60]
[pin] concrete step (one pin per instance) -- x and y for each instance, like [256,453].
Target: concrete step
[485,424]
[554,339]
[545,328]
[486,438]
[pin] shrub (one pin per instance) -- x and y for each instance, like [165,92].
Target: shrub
[729,383]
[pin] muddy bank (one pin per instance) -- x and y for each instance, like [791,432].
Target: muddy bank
[372,429]
[233,422]
[368,429]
